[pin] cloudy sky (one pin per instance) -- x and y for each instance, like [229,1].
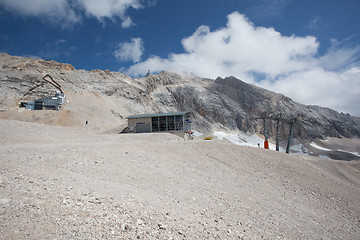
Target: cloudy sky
[308,50]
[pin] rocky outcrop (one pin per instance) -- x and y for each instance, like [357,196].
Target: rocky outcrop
[313,121]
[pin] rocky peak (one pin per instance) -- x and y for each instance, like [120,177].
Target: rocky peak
[32,64]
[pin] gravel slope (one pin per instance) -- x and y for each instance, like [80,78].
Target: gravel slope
[68,183]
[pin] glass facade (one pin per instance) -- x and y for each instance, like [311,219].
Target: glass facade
[160,122]
[167,123]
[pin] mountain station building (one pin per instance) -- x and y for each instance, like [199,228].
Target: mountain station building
[178,123]
[48,103]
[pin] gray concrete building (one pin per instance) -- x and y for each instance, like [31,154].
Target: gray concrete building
[178,123]
[48,103]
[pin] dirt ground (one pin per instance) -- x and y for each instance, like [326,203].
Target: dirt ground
[70,183]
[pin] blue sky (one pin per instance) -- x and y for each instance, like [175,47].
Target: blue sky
[306,49]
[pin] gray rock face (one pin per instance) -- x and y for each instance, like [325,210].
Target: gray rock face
[228,104]
[314,121]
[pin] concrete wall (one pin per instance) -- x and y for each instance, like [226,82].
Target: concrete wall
[137,125]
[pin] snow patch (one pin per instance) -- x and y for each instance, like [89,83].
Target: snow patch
[353,153]
[313,144]
[299,148]
[127,81]
[244,140]
[328,139]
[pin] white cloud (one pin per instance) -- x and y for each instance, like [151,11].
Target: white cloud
[110,9]
[268,8]
[55,11]
[69,12]
[259,55]
[127,22]
[130,51]
[238,48]
[339,56]
[338,90]
[314,23]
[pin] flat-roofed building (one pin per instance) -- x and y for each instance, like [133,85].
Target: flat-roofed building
[177,122]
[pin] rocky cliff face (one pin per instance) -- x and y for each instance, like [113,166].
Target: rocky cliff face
[313,121]
[105,98]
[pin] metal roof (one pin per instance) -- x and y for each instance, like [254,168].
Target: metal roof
[157,115]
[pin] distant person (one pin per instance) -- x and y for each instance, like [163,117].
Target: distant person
[148,73]
[258,144]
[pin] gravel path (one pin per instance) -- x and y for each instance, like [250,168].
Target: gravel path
[66,183]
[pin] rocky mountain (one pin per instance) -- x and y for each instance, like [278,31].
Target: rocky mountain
[103,99]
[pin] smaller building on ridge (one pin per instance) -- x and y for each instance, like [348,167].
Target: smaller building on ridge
[48,103]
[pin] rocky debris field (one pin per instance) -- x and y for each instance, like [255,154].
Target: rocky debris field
[67,183]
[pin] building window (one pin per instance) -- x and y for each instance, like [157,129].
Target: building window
[171,123]
[155,124]
[163,124]
[167,123]
[179,124]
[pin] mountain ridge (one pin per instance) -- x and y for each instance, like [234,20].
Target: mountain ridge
[105,98]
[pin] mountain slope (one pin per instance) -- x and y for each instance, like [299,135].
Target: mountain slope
[103,99]
[68,183]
